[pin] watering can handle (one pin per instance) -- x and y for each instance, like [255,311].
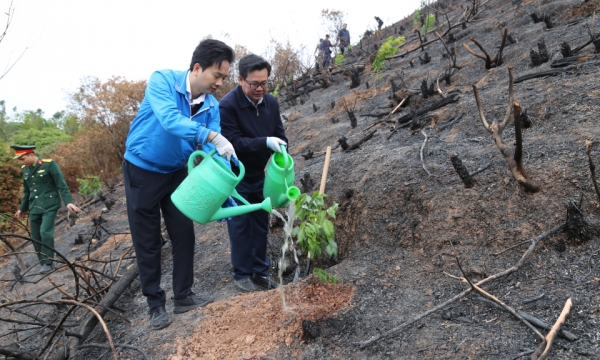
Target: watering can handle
[285,163]
[210,155]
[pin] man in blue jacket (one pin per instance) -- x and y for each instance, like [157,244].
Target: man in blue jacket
[251,121]
[178,114]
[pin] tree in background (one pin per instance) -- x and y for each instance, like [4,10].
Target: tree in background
[332,21]
[104,111]
[285,61]
[10,13]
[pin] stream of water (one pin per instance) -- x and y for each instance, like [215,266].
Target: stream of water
[288,242]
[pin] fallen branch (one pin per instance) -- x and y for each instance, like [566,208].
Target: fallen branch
[361,141]
[588,151]
[423,147]
[547,344]
[451,122]
[534,321]
[508,271]
[449,100]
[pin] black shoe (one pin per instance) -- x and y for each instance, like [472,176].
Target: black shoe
[189,303]
[265,281]
[159,318]
[245,285]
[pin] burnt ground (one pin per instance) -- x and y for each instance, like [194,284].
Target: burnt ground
[396,223]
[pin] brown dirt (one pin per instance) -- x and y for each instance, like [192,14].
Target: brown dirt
[251,325]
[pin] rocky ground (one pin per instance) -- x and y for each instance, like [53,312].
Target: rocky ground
[400,230]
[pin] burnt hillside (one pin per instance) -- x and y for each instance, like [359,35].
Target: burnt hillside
[408,228]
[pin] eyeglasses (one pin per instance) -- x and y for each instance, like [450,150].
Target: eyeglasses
[253,86]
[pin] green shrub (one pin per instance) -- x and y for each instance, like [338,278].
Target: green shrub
[276,91]
[91,185]
[386,50]
[429,21]
[339,59]
[417,17]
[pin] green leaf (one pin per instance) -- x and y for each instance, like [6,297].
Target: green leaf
[328,228]
[332,248]
[295,231]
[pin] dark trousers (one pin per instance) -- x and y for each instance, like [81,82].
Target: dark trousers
[248,235]
[148,193]
[42,229]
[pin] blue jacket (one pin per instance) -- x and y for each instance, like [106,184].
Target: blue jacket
[163,135]
[247,127]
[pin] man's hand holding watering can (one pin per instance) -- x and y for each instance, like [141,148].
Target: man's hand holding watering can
[274,143]
[224,148]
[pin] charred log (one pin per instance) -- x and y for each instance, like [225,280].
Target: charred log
[448,100]
[462,171]
[361,141]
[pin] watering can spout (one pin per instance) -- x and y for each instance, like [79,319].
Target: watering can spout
[225,213]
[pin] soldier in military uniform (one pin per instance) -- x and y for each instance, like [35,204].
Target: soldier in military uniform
[43,188]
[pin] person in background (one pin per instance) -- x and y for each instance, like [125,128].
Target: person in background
[251,121]
[43,188]
[343,38]
[379,22]
[177,115]
[319,54]
[326,51]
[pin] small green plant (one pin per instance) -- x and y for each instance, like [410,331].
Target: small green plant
[429,21]
[325,277]
[91,185]
[276,91]
[339,59]
[386,50]
[417,17]
[316,232]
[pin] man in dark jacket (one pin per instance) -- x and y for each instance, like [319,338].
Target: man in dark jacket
[325,48]
[343,38]
[250,120]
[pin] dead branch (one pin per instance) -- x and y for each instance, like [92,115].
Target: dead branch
[533,320]
[361,141]
[495,129]
[448,100]
[495,299]
[450,122]
[489,62]
[451,57]
[547,343]
[588,151]
[423,147]
[508,271]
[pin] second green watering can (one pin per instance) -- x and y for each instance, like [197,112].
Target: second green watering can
[207,186]
[279,180]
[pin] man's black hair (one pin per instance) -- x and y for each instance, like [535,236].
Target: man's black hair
[251,63]
[210,52]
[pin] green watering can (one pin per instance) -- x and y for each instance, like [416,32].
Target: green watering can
[207,186]
[280,174]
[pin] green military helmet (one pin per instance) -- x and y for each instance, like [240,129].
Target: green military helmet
[21,150]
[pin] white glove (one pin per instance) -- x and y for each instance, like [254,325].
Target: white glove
[224,147]
[275,143]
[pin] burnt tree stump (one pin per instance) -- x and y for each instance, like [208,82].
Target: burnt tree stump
[308,155]
[541,56]
[462,171]
[335,120]
[565,49]
[315,108]
[426,59]
[526,120]
[307,183]
[343,143]
[354,78]
[427,90]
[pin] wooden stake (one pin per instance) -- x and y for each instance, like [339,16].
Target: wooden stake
[325,169]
